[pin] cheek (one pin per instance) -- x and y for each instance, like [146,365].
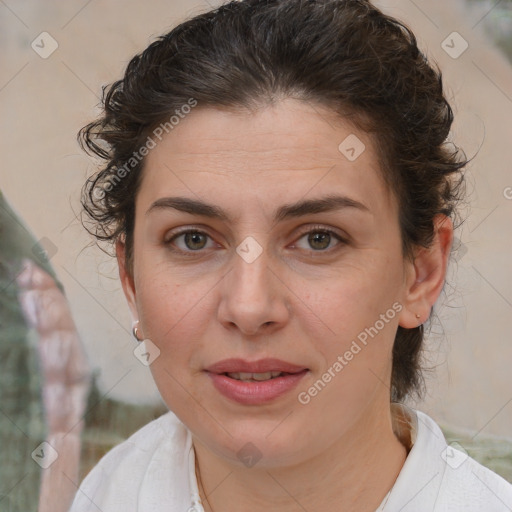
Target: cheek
[175,313]
[361,312]
[355,298]
[167,310]
[173,319]
[356,351]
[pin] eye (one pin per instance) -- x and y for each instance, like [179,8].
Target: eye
[320,239]
[190,240]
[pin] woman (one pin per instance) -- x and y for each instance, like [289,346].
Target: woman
[280,194]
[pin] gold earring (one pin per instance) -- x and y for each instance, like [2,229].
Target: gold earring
[135,331]
[418,316]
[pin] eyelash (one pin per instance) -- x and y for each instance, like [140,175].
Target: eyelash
[314,229]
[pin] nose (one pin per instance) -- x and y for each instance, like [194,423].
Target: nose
[253,297]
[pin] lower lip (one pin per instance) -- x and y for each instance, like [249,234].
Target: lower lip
[254,393]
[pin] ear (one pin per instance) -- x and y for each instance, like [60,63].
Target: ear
[426,274]
[126,279]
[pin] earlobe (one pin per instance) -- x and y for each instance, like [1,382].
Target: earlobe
[426,275]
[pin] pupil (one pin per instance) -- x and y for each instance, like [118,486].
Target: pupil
[319,237]
[192,238]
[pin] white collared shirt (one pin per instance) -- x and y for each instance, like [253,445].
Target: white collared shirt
[154,470]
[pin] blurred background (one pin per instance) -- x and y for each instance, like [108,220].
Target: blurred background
[55,58]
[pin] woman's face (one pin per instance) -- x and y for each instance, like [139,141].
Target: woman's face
[274,274]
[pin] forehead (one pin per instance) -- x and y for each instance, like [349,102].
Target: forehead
[291,149]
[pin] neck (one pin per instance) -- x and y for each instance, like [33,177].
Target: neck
[356,472]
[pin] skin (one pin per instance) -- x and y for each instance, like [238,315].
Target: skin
[299,302]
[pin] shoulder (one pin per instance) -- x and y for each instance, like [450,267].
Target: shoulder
[438,476]
[145,444]
[470,485]
[157,453]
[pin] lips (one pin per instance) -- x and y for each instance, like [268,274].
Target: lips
[255,383]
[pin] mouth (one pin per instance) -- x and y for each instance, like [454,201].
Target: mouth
[253,383]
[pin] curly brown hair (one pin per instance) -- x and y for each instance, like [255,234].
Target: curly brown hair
[343,54]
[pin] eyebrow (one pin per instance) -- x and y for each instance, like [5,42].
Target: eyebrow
[299,209]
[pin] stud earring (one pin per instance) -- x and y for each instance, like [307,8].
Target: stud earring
[418,316]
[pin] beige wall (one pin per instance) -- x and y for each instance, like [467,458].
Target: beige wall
[45,101]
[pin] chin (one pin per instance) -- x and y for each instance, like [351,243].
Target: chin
[254,443]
